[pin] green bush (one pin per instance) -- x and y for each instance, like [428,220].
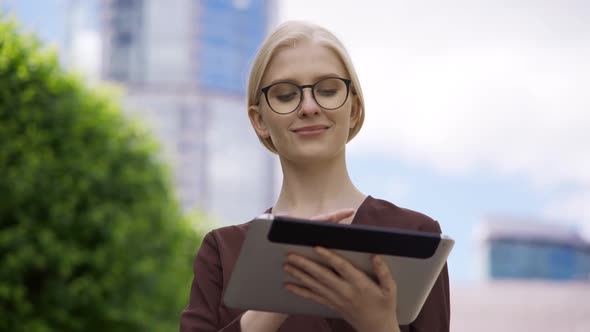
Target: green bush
[91,235]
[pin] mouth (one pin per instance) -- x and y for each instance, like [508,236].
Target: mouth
[310,130]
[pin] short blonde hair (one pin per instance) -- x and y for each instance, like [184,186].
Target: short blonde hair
[287,35]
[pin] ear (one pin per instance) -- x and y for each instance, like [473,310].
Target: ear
[355,111]
[257,121]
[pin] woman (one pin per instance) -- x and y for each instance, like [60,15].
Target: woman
[305,103]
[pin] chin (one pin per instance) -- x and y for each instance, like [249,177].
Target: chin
[312,154]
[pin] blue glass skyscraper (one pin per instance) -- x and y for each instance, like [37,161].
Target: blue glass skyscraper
[184,64]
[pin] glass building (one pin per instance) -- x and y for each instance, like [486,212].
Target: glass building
[512,249]
[229,34]
[184,65]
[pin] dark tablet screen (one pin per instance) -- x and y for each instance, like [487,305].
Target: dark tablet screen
[362,238]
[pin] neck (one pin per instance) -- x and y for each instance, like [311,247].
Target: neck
[311,189]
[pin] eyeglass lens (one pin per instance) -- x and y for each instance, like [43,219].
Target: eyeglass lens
[329,93]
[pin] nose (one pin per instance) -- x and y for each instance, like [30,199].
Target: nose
[308,105]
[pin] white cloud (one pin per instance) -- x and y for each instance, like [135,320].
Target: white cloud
[519,113]
[463,85]
[575,207]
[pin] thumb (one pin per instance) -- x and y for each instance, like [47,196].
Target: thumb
[335,216]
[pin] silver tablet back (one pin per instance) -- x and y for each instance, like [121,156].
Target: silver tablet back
[257,281]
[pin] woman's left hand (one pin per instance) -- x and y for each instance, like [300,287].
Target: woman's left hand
[365,304]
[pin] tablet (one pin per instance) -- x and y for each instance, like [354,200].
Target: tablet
[415,260]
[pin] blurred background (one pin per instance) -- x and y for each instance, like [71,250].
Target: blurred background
[477,114]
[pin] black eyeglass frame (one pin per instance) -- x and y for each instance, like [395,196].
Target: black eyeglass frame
[346,81]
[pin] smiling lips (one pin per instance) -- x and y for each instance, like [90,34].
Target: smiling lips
[310,130]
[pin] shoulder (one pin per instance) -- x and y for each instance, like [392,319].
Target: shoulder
[383,213]
[229,232]
[221,247]
[226,236]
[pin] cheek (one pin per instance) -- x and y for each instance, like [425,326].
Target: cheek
[276,124]
[344,118]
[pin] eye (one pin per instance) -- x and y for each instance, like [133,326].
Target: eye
[284,92]
[327,92]
[286,97]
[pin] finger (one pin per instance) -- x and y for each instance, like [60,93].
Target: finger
[335,216]
[383,274]
[345,269]
[310,283]
[323,274]
[307,294]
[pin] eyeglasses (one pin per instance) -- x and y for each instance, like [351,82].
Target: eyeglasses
[285,97]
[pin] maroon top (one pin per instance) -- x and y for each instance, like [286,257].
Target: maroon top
[219,252]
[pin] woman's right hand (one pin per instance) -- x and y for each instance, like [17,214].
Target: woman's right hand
[364,303]
[261,321]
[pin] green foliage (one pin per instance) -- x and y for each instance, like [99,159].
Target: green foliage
[91,236]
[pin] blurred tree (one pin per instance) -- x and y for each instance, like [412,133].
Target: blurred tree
[91,236]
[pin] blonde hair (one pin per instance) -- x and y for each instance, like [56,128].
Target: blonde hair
[287,35]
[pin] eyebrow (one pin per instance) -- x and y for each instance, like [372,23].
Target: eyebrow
[316,78]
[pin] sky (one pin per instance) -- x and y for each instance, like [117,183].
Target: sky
[49,20]
[473,108]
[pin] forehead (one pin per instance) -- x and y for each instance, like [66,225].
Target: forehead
[304,63]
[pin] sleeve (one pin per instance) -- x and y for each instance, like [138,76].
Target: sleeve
[435,315]
[202,312]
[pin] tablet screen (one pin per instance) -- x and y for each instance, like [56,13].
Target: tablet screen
[361,238]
